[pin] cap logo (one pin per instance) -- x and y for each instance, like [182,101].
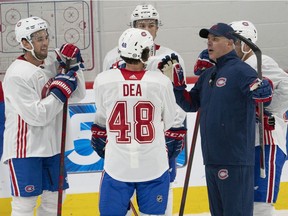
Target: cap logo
[124,45]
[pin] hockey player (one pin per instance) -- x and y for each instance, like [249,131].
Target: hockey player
[35,89]
[147,17]
[134,108]
[266,189]
[226,99]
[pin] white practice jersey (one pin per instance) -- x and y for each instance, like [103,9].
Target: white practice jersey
[152,64]
[136,108]
[33,124]
[279,104]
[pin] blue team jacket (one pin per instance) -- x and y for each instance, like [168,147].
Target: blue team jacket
[227,111]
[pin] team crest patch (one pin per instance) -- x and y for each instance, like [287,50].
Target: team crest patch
[29,188]
[221,82]
[159,198]
[223,174]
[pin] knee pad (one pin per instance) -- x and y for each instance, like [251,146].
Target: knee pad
[49,203]
[23,206]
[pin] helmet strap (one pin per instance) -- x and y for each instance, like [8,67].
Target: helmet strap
[31,50]
[245,53]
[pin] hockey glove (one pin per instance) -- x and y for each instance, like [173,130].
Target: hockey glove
[262,91]
[171,68]
[203,62]
[71,52]
[119,64]
[174,138]
[98,139]
[268,119]
[63,85]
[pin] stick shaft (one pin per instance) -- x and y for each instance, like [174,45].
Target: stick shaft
[62,151]
[258,55]
[189,164]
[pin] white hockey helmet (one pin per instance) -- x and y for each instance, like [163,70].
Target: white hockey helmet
[145,11]
[133,41]
[245,29]
[25,27]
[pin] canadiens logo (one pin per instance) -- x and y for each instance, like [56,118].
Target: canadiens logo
[29,188]
[124,45]
[223,174]
[221,82]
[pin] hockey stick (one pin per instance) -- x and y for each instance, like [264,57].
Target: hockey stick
[189,164]
[62,151]
[258,55]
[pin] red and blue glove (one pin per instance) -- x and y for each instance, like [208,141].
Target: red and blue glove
[268,119]
[63,85]
[171,67]
[174,138]
[69,52]
[98,139]
[203,62]
[262,91]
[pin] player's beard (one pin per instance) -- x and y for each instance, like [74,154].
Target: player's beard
[42,54]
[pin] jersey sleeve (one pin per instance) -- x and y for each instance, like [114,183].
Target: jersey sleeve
[279,77]
[169,111]
[31,107]
[80,92]
[110,58]
[100,116]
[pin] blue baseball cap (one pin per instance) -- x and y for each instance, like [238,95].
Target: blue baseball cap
[220,29]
